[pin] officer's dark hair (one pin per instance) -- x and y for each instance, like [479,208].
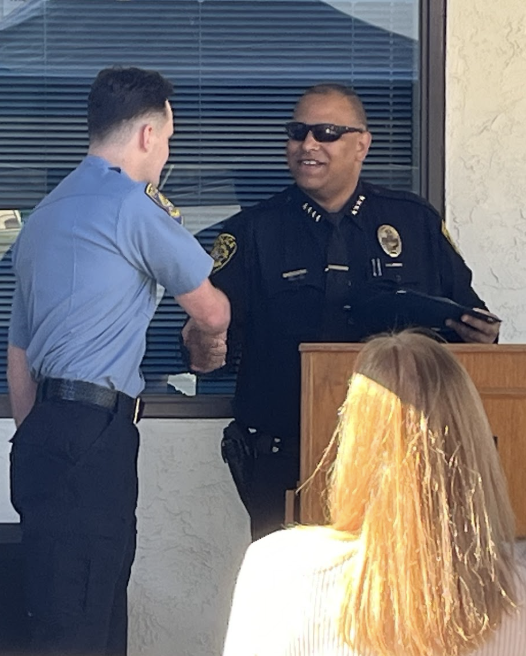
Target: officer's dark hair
[121,94]
[326,88]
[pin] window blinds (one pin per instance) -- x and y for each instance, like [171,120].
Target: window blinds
[238,67]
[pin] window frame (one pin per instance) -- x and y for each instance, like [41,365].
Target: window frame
[431,138]
[433,101]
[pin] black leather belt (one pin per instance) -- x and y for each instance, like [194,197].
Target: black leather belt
[90,393]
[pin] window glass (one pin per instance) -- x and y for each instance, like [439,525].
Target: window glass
[238,67]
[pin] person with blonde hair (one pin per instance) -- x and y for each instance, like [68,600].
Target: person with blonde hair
[418,556]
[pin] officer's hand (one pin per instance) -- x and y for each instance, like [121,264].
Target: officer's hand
[210,355]
[207,352]
[472,329]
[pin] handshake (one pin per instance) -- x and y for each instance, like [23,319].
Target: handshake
[207,351]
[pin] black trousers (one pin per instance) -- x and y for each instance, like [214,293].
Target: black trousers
[74,484]
[274,474]
[263,468]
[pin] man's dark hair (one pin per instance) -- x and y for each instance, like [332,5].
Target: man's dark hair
[327,88]
[120,94]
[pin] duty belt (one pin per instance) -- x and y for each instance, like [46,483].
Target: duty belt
[90,393]
[264,444]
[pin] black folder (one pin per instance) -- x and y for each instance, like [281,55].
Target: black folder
[401,308]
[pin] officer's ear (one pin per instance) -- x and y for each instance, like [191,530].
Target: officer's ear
[364,142]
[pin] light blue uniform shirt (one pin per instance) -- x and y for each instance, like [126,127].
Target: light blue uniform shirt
[87,263]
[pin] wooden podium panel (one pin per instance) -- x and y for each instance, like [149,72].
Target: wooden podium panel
[498,371]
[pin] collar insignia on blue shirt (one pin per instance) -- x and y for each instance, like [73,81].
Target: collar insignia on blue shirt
[389,240]
[159,199]
[223,250]
[446,234]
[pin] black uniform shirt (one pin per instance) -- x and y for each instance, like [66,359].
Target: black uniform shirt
[292,272]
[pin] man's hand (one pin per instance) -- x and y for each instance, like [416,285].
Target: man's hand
[207,352]
[472,329]
[22,388]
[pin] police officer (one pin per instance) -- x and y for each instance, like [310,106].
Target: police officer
[87,265]
[297,267]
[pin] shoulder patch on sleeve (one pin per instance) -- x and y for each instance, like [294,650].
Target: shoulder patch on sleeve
[446,234]
[223,250]
[159,199]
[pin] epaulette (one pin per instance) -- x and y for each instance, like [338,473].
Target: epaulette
[263,211]
[397,194]
[160,199]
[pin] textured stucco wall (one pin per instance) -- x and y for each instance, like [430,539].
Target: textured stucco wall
[7,513]
[193,532]
[486,150]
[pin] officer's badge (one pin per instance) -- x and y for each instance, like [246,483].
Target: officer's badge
[446,234]
[389,240]
[223,250]
[161,200]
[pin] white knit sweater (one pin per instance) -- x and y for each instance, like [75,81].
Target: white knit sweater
[288,596]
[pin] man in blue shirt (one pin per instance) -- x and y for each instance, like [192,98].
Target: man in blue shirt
[87,266]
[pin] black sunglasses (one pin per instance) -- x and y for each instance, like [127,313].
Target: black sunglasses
[322,132]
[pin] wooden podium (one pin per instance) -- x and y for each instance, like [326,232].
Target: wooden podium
[498,371]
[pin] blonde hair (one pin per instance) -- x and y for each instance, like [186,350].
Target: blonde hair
[418,480]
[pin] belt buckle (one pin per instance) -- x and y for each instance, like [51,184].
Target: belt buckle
[137,410]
